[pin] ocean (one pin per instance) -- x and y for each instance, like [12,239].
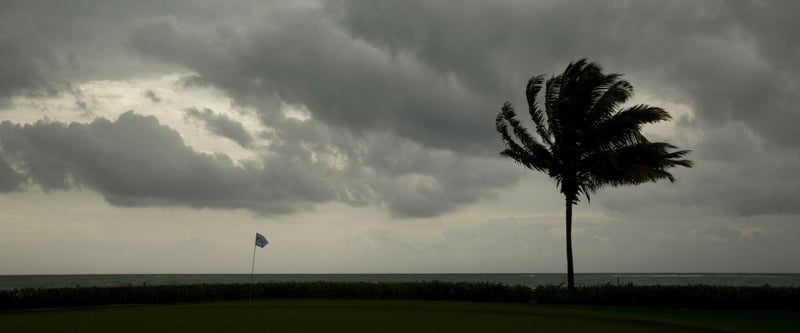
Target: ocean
[8,282]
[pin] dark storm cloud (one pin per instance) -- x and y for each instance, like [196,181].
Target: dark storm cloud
[406,178]
[741,175]
[746,174]
[309,60]
[221,125]
[423,68]
[10,179]
[79,40]
[135,161]
[348,84]
[410,66]
[44,45]
[24,62]
[430,75]
[297,170]
[731,59]
[733,62]
[419,182]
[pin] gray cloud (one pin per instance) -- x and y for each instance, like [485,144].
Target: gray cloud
[221,125]
[468,59]
[135,161]
[740,174]
[732,62]
[45,45]
[490,60]
[433,78]
[731,59]
[438,79]
[406,178]
[151,95]
[724,61]
[343,81]
[10,179]
[24,61]
[349,85]
[418,182]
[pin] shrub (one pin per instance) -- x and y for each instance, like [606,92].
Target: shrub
[688,296]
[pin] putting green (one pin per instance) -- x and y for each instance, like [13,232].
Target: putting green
[388,316]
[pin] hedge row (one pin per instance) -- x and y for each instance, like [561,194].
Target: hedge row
[676,296]
[93,296]
[687,296]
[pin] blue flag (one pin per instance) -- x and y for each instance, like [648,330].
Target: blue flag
[261,241]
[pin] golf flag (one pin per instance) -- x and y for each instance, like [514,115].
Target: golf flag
[261,241]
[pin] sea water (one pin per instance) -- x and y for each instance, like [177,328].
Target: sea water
[526,279]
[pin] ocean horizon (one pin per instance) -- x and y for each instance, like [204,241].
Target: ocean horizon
[8,282]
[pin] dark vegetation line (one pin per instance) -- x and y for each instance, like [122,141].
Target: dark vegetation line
[687,296]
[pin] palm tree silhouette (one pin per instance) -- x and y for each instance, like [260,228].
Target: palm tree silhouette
[587,140]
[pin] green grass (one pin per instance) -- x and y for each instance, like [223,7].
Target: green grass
[390,316]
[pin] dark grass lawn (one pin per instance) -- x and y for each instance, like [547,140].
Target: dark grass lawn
[390,316]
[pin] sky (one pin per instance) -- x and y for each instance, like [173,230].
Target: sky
[358,136]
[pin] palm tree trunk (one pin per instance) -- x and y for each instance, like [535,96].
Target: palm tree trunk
[570,270]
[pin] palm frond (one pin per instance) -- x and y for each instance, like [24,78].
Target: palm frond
[590,86]
[644,114]
[633,164]
[510,118]
[528,151]
[624,127]
[582,84]
[612,93]
[501,125]
[570,79]
[552,91]
[526,159]
[531,91]
[581,79]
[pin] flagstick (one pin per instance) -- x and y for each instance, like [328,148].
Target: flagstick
[252,270]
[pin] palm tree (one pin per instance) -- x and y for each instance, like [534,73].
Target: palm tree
[586,139]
